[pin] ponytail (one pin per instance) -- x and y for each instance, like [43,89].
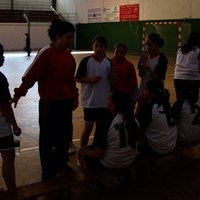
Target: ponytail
[192,43]
[132,127]
[162,98]
[164,101]
[129,124]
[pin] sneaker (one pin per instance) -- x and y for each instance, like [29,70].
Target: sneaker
[78,163]
[72,148]
[81,162]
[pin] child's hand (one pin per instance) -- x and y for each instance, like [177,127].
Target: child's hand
[16,130]
[15,101]
[95,79]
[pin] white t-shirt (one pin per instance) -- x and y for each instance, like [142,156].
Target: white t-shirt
[116,156]
[187,131]
[95,95]
[188,65]
[152,63]
[160,136]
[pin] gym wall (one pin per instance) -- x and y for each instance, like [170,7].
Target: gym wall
[148,9]
[131,34]
[12,35]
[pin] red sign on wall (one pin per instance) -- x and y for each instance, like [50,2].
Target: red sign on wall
[129,12]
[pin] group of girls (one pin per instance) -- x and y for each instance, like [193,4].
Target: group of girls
[156,126]
[109,98]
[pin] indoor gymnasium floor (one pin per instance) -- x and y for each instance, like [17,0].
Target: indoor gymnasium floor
[173,181]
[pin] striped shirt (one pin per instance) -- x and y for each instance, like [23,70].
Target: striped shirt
[94,95]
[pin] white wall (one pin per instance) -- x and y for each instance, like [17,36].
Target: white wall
[16,41]
[149,9]
[32,1]
[26,4]
[4,4]
[170,9]
[195,7]
[70,7]
[34,4]
[66,6]
[39,35]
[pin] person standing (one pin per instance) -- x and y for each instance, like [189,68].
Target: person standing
[54,69]
[187,69]
[28,44]
[8,126]
[123,76]
[153,63]
[93,74]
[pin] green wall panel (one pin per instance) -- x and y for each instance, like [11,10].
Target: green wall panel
[131,34]
[127,32]
[169,33]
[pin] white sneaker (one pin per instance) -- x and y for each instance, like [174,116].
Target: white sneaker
[72,148]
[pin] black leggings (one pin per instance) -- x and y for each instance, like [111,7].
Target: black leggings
[182,87]
[55,120]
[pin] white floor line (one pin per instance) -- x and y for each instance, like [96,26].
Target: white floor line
[37,147]
[29,149]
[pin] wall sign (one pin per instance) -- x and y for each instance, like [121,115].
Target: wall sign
[94,15]
[129,12]
[110,14]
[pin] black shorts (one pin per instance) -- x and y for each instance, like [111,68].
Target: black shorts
[94,114]
[7,143]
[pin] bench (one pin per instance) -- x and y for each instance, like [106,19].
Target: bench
[62,183]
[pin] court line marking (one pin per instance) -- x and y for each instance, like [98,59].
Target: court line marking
[28,149]
[77,116]
[34,53]
[37,147]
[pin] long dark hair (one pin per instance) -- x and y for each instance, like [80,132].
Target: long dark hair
[162,98]
[192,43]
[123,106]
